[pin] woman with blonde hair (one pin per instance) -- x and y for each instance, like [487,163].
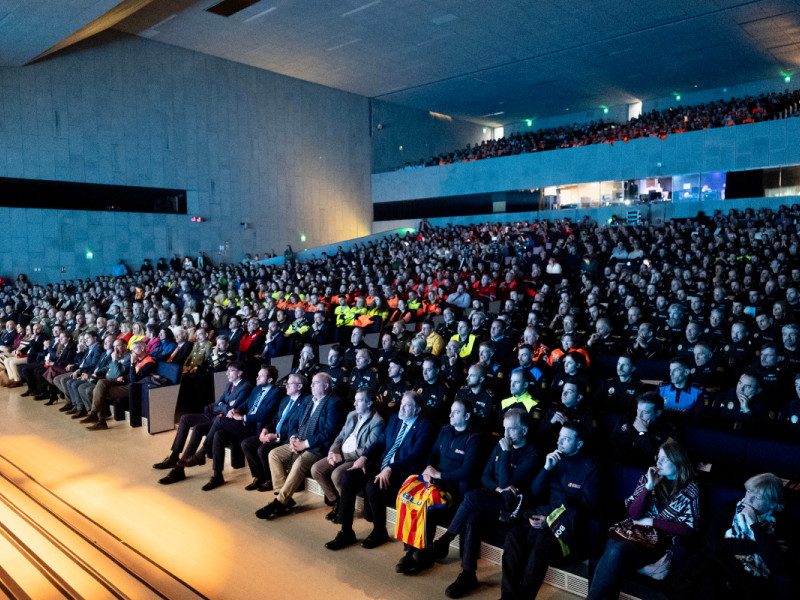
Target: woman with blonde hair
[748,543]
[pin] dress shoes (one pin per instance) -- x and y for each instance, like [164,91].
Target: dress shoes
[66,407]
[53,400]
[333,515]
[255,484]
[213,483]
[375,539]
[463,585]
[71,411]
[173,476]
[90,418]
[343,539]
[427,556]
[168,463]
[80,414]
[27,394]
[41,397]
[195,460]
[407,565]
[275,509]
[265,487]
[99,426]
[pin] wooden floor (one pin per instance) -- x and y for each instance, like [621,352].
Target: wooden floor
[177,540]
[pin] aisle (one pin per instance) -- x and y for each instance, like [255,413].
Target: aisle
[206,541]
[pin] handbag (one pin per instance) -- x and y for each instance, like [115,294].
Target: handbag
[628,531]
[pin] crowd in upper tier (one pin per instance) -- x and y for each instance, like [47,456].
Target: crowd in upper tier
[502,349]
[656,123]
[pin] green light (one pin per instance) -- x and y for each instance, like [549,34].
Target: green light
[529,122]
[787,79]
[605,109]
[89,255]
[677,97]
[302,237]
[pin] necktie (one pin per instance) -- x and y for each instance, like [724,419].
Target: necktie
[258,402]
[283,416]
[393,450]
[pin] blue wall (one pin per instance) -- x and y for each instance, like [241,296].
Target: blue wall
[284,156]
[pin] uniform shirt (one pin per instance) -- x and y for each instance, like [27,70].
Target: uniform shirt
[435,398]
[617,396]
[681,400]
[484,408]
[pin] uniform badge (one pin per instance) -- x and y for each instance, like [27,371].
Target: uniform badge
[730,405]
[727,347]
[794,419]
[611,390]
[419,391]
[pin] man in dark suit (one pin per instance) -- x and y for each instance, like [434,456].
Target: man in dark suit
[36,355]
[239,423]
[402,450]
[72,378]
[235,395]
[310,436]
[257,447]
[183,349]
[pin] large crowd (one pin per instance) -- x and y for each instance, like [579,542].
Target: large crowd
[511,359]
[655,123]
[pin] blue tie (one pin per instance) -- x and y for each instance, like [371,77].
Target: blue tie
[393,450]
[283,417]
[258,402]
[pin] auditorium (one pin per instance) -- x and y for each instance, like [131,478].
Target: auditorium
[293,291]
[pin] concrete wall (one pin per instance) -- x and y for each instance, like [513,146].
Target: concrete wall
[286,156]
[742,147]
[409,134]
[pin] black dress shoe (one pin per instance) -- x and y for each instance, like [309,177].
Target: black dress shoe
[255,484]
[168,463]
[265,487]
[41,397]
[66,407]
[275,509]
[375,539]
[53,400]
[173,476]
[27,394]
[90,418]
[195,460]
[213,483]
[80,414]
[343,539]
[333,515]
[72,410]
[463,585]
[407,565]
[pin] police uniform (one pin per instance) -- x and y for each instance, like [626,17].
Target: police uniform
[389,396]
[617,396]
[435,397]
[727,414]
[340,379]
[363,378]
[682,400]
[484,407]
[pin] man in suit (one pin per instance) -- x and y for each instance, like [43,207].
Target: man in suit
[310,436]
[36,354]
[72,378]
[362,428]
[235,395]
[402,450]
[238,424]
[257,447]
[183,349]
